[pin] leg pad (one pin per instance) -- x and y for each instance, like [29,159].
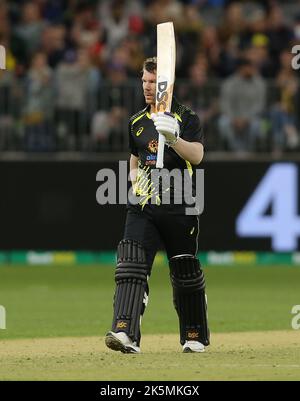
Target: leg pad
[189,298]
[132,290]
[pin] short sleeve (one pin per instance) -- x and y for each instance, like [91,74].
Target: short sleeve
[132,146]
[192,130]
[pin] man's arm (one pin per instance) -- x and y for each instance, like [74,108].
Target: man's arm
[133,166]
[190,151]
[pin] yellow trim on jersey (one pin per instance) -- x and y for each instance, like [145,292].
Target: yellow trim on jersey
[178,117]
[189,167]
[137,119]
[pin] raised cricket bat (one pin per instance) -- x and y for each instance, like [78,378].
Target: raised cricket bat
[166,59]
[2,58]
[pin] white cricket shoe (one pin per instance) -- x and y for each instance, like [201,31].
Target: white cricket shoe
[193,346]
[121,342]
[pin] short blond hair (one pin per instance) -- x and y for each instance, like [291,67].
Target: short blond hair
[150,64]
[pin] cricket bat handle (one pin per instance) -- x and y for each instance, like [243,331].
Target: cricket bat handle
[160,151]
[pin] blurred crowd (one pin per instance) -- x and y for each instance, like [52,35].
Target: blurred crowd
[73,70]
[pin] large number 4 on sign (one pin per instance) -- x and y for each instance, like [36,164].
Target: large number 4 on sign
[279,189]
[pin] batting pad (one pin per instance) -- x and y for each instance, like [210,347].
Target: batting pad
[189,298]
[132,290]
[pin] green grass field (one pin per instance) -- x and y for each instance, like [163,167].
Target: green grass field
[57,318]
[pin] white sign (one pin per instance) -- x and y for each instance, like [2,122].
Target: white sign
[279,188]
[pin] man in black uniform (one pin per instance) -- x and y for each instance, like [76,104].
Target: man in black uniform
[151,219]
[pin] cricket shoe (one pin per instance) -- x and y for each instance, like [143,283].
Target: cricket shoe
[193,346]
[121,342]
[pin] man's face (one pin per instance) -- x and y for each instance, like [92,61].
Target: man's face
[247,71]
[149,86]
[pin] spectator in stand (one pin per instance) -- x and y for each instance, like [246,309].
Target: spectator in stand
[211,46]
[107,128]
[189,28]
[229,32]
[8,102]
[54,10]
[136,55]
[258,53]
[296,29]
[256,24]
[284,112]
[76,83]
[242,104]
[115,102]
[85,27]
[88,32]
[53,43]
[38,106]
[233,24]
[157,12]
[201,95]
[279,34]
[117,35]
[15,46]
[254,42]
[31,27]
[116,24]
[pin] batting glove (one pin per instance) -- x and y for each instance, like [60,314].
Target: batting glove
[166,124]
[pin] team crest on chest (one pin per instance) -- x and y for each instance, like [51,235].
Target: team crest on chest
[153,146]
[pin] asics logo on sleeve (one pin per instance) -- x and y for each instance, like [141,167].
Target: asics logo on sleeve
[138,133]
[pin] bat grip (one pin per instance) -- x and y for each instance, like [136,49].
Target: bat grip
[160,151]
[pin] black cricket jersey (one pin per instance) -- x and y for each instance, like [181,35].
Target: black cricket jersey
[143,143]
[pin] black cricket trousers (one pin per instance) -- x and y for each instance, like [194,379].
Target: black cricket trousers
[159,226]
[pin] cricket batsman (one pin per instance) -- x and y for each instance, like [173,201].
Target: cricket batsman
[154,219]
